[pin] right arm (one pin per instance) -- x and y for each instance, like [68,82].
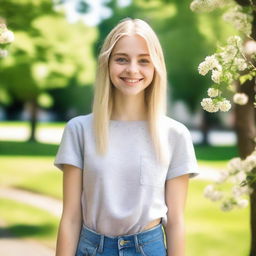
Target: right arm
[71,219]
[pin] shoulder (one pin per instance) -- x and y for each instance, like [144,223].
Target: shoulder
[80,121]
[174,127]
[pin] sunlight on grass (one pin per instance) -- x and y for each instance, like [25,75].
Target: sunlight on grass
[31,173]
[213,232]
[30,166]
[26,124]
[220,165]
[25,221]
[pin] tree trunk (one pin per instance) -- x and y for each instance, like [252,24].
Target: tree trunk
[253,221]
[245,121]
[246,131]
[33,108]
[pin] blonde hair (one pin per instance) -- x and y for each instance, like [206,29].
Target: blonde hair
[155,94]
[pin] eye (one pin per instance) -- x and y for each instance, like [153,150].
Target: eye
[121,60]
[144,61]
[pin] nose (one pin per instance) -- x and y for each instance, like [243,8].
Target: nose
[132,67]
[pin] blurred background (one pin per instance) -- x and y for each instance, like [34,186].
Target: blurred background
[47,78]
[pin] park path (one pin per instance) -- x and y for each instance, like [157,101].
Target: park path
[11,246]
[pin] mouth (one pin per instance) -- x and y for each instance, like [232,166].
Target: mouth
[131,81]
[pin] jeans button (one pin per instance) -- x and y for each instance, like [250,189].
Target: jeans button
[122,242]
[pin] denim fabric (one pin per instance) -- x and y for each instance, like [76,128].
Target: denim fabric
[145,243]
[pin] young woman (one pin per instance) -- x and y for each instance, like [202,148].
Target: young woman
[126,165]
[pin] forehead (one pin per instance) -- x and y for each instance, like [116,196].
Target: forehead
[131,45]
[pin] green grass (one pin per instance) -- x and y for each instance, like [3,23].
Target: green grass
[213,232]
[25,221]
[31,173]
[209,231]
[14,148]
[216,153]
[29,166]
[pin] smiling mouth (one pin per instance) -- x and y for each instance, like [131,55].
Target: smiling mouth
[131,80]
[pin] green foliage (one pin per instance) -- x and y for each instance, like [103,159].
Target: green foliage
[47,51]
[249,76]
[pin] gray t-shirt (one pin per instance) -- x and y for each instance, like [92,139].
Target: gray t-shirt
[125,189]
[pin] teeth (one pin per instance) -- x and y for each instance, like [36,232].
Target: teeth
[131,80]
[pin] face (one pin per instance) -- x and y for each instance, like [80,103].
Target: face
[130,66]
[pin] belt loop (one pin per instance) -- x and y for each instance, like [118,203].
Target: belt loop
[100,249]
[136,244]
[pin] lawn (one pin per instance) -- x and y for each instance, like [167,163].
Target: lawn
[25,221]
[32,173]
[210,231]
[29,165]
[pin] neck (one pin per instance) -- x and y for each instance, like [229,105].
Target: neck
[129,108]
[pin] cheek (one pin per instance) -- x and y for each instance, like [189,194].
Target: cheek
[114,70]
[150,73]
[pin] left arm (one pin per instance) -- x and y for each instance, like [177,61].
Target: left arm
[175,197]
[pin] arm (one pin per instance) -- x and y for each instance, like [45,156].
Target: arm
[175,197]
[71,219]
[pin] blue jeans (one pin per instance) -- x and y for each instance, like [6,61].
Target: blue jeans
[146,243]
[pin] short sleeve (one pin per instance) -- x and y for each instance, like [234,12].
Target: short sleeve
[70,150]
[183,160]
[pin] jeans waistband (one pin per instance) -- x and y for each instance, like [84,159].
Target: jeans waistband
[133,240]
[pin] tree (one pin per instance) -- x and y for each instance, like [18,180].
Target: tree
[235,64]
[47,53]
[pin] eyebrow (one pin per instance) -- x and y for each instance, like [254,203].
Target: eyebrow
[125,54]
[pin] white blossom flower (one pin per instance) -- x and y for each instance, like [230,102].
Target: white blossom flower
[235,40]
[249,47]
[224,105]
[234,165]
[3,53]
[216,75]
[240,63]
[239,177]
[242,203]
[213,194]
[203,69]
[208,105]
[216,195]
[6,36]
[240,98]
[228,54]
[212,92]
[249,163]
[209,63]
[208,190]
[238,191]
[223,176]
[240,20]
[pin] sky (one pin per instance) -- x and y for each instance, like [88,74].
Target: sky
[96,13]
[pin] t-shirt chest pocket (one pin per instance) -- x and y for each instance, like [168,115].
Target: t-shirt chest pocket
[151,173]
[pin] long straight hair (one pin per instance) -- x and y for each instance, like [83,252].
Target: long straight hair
[155,93]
